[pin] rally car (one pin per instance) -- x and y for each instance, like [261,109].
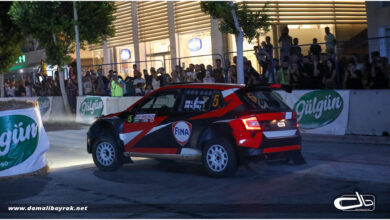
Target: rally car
[221,125]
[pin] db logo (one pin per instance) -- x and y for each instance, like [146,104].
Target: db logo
[182,132]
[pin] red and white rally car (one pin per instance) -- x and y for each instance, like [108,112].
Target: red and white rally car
[221,125]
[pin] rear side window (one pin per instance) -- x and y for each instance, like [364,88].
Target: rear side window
[201,100]
[263,100]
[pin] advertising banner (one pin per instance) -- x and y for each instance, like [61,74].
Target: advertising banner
[89,107]
[45,104]
[23,142]
[319,111]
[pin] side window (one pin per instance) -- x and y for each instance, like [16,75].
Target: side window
[162,102]
[200,100]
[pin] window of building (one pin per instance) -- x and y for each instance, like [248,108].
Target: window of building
[195,44]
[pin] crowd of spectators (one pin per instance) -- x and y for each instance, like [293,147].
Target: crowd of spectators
[315,70]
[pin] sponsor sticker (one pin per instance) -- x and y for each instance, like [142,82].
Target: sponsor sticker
[144,118]
[19,136]
[182,131]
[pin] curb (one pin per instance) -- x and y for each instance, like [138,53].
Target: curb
[350,139]
[41,172]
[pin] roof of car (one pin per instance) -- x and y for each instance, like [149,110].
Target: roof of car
[218,86]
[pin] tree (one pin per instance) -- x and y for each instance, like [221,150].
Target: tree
[11,41]
[52,24]
[237,19]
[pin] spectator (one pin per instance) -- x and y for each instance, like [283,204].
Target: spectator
[165,78]
[315,49]
[330,41]
[378,74]
[232,74]
[269,48]
[329,75]
[353,77]
[282,73]
[129,83]
[286,42]
[147,77]
[156,81]
[28,87]
[42,70]
[294,75]
[208,78]
[139,84]
[72,92]
[116,85]
[100,85]
[295,48]
[148,89]
[87,84]
[218,72]
[175,77]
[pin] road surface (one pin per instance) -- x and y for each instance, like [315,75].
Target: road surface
[149,189]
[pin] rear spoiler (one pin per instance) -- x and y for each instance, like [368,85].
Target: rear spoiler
[284,87]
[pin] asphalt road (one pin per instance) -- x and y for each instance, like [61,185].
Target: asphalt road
[149,189]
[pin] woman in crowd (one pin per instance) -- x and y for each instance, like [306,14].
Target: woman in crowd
[329,75]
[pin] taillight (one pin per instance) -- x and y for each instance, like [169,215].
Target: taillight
[251,123]
[297,125]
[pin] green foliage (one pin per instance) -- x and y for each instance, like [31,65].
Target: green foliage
[52,24]
[251,22]
[11,39]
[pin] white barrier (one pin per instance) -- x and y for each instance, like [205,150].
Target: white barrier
[369,113]
[45,104]
[319,111]
[89,107]
[23,142]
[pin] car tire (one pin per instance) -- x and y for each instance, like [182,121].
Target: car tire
[297,158]
[219,158]
[106,154]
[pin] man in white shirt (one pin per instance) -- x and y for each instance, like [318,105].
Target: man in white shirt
[139,84]
[330,41]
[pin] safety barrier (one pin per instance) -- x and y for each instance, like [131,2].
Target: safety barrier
[366,110]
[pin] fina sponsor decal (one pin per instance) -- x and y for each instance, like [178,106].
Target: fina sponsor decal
[19,136]
[182,132]
[318,108]
[92,107]
[356,202]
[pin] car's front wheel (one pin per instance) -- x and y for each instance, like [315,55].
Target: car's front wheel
[105,154]
[219,158]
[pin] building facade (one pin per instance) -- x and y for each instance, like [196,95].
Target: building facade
[169,33]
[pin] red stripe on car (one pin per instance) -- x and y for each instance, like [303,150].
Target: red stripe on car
[281,149]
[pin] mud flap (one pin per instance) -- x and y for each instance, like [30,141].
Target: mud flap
[297,158]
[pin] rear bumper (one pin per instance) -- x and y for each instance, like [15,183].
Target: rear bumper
[272,146]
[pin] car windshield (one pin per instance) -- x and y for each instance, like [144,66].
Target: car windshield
[267,101]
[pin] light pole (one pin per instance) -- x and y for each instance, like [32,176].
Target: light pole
[76,29]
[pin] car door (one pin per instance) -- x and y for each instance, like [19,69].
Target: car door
[146,129]
[194,104]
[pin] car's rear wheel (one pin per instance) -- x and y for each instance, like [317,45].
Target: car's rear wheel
[105,154]
[219,158]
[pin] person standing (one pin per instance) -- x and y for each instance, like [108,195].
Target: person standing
[218,72]
[139,84]
[315,49]
[330,41]
[286,43]
[116,86]
[42,70]
[295,48]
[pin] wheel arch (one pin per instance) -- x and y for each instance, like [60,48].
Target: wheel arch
[106,127]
